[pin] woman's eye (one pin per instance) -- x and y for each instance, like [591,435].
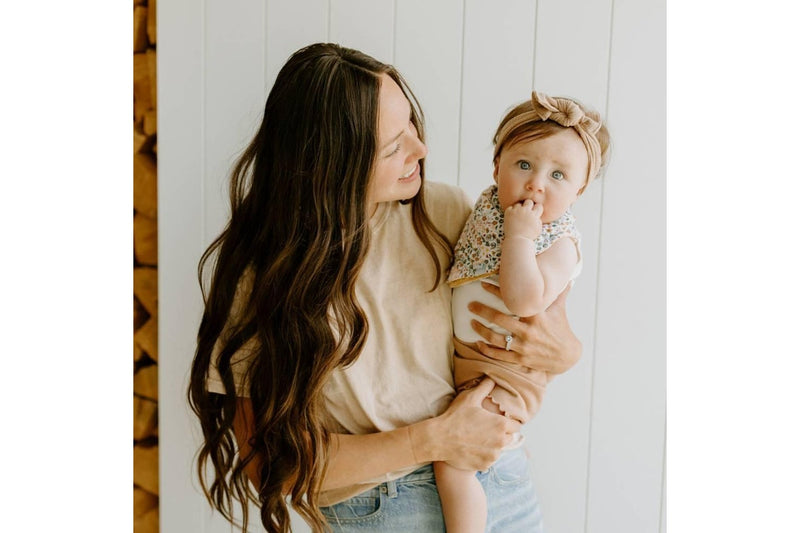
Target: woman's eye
[397,149]
[524,165]
[557,174]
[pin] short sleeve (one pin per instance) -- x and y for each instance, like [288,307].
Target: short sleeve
[240,361]
[448,207]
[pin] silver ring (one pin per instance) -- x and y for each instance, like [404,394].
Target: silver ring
[509,338]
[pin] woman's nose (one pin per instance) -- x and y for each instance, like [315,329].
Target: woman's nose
[422,149]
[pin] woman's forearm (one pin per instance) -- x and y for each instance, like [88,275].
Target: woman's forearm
[354,458]
[466,435]
[357,458]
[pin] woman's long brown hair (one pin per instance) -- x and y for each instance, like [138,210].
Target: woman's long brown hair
[298,234]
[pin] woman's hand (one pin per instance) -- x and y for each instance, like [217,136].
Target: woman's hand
[466,435]
[544,342]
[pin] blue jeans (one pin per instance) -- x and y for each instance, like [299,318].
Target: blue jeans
[411,503]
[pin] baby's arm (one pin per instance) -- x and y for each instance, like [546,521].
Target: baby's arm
[463,499]
[530,283]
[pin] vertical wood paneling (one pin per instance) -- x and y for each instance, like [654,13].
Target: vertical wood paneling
[234,93]
[571,59]
[627,443]
[434,74]
[572,38]
[290,26]
[663,508]
[367,25]
[180,242]
[498,69]
[468,61]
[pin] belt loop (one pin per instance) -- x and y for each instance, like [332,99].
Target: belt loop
[391,487]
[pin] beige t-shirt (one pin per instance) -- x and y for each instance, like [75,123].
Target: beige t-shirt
[404,373]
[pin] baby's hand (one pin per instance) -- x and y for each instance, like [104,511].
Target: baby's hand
[523,220]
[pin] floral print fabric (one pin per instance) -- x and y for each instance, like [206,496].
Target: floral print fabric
[477,252]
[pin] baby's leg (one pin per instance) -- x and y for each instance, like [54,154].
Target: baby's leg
[463,500]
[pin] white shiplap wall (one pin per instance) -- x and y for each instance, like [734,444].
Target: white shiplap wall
[598,443]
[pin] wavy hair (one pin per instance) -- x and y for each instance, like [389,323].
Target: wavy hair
[298,233]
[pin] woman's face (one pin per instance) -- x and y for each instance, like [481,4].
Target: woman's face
[396,170]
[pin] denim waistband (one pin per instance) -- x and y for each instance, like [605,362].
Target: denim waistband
[423,473]
[420,475]
[411,502]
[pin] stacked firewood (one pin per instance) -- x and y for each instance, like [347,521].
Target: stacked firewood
[145,278]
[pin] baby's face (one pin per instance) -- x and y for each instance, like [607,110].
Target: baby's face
[550,171]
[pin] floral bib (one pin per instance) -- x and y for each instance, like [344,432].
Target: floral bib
[477,252]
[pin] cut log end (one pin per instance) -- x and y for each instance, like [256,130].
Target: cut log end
[145,468]
[140,28]
[145,382]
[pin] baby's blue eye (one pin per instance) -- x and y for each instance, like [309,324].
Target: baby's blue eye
[557,174]
[524,165]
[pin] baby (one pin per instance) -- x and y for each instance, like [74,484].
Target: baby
[521,237]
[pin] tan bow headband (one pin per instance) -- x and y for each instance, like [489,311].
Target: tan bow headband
[569,114]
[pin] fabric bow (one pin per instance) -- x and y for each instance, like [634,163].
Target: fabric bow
[567,113]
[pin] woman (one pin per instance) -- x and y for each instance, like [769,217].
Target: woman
[322,370]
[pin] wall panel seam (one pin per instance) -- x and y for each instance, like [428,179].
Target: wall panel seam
[535,41]
[608,70]
[598,278]
[203,28]
[461,90]
[330,8]
[265,51]
[203,159]
[394,31]
[663,480]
